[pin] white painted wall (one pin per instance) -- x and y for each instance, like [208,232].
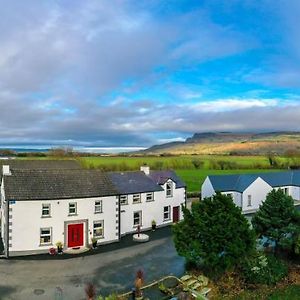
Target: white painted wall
[258,191]
[152,210]
[26,221]
[207,189]
[236,197]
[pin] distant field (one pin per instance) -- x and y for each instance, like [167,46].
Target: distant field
[183,165]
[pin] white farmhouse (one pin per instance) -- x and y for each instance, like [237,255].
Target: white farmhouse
[42,205]
[248,191]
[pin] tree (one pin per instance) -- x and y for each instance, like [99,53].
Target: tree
[278,220]
[214,234]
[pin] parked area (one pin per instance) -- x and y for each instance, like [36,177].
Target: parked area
[110,270]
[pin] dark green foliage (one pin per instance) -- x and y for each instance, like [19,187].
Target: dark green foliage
[278,220]
[263,269]
[290,293]
[214,234]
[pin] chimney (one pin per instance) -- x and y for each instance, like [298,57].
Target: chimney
[6,170]
[145,169]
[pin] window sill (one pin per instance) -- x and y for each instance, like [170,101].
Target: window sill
[98,212]
[46,244]
[45,217]
[99,237]
[171,196]
[150,200]
[72,215]
[123,204]
[166,220]
[137,202]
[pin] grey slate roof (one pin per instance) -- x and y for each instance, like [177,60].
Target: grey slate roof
[133,182]
[160,177]
[39,164]
[240,182]
[57,184]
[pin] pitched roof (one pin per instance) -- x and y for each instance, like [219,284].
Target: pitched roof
[39,164]
[239,182]
[160,177]
[133,182]
[57,184]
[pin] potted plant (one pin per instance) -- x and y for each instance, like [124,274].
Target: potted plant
[59,246]
[153,223]
[94,242]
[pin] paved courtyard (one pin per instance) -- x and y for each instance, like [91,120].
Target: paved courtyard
[110,271]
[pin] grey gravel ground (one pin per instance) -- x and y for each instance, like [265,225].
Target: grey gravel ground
[109,271]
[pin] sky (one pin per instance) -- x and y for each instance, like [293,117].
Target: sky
[137,73]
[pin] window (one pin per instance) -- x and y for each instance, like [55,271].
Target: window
[98,206]
[229,195]
[149,197]
[169,189]
[73,208]
[137,218]
[45,210]
[123,199]
[249,200]
[167,213]
[45,236]
[136,198]
[98,229]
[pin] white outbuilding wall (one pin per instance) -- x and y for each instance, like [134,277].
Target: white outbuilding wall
[258,191]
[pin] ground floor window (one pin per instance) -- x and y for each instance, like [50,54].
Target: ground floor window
[137,218]
[45,236]
[98,230]
[167,213]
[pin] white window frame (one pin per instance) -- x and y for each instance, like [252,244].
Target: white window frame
[75,206]
[46,206]
[42,235]
[168,212]
[98,236]
[151,195]
[136,198]
[169,189]
[98,206]
[123,199]
[249,198]
[139,218]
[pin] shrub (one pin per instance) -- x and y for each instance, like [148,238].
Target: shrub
[263,269]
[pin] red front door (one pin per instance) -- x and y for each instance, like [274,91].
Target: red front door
[75,235]
[175,214]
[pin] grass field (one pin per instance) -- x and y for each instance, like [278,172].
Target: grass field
[183,165]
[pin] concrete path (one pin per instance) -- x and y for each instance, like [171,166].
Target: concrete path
[109,271]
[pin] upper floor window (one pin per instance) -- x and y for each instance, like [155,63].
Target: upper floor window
[98,206]
[46,210]
[123,199]
[149,197]
[249,200]
[45,236]
[169,189]
[72,208]
[136,198]
[98,229]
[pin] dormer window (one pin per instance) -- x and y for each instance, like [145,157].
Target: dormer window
[169,189]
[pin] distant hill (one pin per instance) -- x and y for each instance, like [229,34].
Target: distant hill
[232,143]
